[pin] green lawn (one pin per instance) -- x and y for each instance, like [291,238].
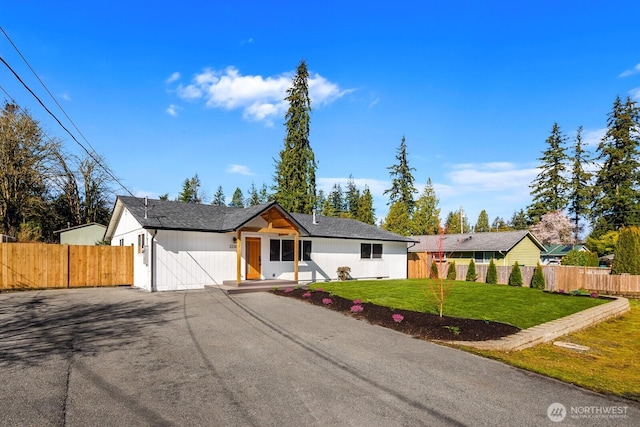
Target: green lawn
[610,366]
[521,307]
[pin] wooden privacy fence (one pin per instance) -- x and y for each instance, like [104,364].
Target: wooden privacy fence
[38,265]
[557,277]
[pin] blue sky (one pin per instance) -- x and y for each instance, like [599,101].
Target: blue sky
[170,89]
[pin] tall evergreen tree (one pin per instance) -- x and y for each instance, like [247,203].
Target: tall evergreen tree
[579,194]
[452,223]
[191,190]
[398,220]
[352,198]
[334,204]
[402,187]
[254,197]
[237,199]
[549,188]
[426,215]
[482,224]
[498,224]
[295,177]
[218,197]
[519,220]
[265,197]
[366,212]
[320,201]
[617,180]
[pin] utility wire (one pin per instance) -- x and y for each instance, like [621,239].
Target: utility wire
[89,153]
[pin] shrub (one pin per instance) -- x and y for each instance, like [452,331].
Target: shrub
[492,273]
[582,258]
[515,278]
[626,258]
[397,318]
[537,281]
[343,273]
[434,270]
[356,308]
[451,271]
[471,272]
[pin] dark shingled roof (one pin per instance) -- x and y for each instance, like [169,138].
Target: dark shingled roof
[470,242]
[172,215]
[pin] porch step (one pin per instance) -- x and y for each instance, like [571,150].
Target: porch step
[232,287]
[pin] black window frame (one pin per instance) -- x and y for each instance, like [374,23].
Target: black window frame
[278,252]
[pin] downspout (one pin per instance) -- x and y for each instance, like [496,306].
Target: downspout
[152,264]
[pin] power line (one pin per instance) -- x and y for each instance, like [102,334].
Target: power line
[89,153]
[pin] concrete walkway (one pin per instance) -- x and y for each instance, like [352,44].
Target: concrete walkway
[556,328]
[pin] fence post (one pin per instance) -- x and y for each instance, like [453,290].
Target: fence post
[68,265]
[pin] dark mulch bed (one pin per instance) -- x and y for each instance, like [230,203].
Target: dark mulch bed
[419,325]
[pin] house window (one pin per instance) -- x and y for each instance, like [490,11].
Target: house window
[121,242]
[282,250]
[287,250]
[140,243]
[370,250]
[274,250]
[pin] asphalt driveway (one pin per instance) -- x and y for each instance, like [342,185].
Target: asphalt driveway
[126,357]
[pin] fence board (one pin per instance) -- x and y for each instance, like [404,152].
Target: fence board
[557,277]
[38,265]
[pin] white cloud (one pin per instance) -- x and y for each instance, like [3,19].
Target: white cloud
[65,96]
[627,73]
[172,78]
[260,98]
[374,103]
[172,110]
[239,169]
[635,93]
[591,138]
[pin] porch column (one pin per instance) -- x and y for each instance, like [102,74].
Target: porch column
[238,257]
[296,254]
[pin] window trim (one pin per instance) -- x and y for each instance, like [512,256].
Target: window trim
[371,250]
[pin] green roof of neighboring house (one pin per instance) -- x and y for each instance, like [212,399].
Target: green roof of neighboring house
[560,250]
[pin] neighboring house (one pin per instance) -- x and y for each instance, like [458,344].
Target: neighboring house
[86,234]
[553,254]
[189,245]
[505,248]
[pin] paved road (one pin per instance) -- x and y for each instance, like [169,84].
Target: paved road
[126,357]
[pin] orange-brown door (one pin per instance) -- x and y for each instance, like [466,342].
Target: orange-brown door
[253,258]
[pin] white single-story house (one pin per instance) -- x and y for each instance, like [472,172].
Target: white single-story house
[181,246]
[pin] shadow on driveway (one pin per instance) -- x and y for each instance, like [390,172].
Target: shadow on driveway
[35,327]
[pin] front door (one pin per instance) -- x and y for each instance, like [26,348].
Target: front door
[253,258]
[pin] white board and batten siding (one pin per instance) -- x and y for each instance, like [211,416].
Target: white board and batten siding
[190,260]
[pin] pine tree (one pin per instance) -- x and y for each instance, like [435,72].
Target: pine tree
[549,189]
[617,180]
[434,270]
[334,204]
[626,253]
[402,187]
[579,194]
[366,212]
[498,224]
[482,225]
[515,278]
[452,223]
[295,177]
[451,271]
[254,197]
[320,201]
[398,219]
[538,281]
[265,197]
[191,190]
[237,199]
[218,198]
[519,220]
[472,276]
[426,215]
[352,198]
[492,273]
